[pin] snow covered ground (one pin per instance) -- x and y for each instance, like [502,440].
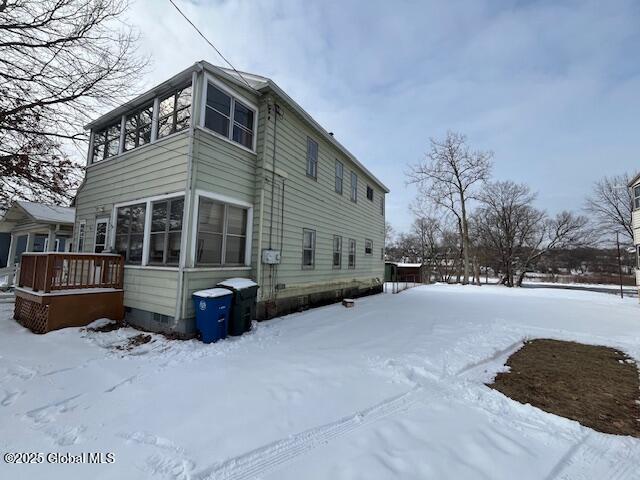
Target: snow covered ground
[392,388]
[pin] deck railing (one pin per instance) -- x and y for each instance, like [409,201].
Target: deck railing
[47,272]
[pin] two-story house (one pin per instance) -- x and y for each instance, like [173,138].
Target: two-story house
[212,175]
[634,185]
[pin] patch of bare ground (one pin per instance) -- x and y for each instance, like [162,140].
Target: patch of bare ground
[594,385]
[134,341]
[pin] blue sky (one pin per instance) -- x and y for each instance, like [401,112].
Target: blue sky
[552,87]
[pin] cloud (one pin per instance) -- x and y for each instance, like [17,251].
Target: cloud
[551,87]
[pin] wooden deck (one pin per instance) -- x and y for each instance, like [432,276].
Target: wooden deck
[58,290]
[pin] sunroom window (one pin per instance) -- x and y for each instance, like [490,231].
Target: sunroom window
[229,117]
[222,233]
[174,111]
[166,231]
[137,128]
[130,232]
[106,142]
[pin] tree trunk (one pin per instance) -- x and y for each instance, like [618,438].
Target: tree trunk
[521,278]
[465,240]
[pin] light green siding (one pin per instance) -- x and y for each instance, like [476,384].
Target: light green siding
[151,170]
[204,279]
[313,204]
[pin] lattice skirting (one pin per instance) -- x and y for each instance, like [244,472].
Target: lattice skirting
[31,315]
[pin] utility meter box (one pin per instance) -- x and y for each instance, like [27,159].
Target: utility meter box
[271,257]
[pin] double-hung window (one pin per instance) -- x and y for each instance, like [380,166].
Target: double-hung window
[174,111]
[339,176]
[229,117]
[636,197]
[129,236]
[166,231]
[368,247]
[137,128]
[308,248]
[337,251]
[312,158]
[382,204]
[222,233]
[106,142]
[352,253]
[369,193]
[354,187]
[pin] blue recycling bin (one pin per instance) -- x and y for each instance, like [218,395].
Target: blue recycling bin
[212,313]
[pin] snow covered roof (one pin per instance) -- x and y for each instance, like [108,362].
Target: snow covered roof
[409,265]
[48,213]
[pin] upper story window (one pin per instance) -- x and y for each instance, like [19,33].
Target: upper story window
[222,233]
[382,204]
[174,111]
[368,246]
[312,158]
[130,232]
[369,193]
[137,127]
[106,142]
[339,176]
[173,115]
[229,117]
[354,187]
[636,197]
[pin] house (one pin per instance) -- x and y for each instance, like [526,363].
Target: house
[634,186]
[216,174]
[35,227]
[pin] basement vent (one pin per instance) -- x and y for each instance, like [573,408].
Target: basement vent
[158,317]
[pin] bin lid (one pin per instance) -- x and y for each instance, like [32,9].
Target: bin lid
[238,283]
[212,293]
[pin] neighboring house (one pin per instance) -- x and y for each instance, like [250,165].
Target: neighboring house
[205,177]
[634,185]
[35,227]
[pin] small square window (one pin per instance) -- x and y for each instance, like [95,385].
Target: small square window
[368,247]
[369,193]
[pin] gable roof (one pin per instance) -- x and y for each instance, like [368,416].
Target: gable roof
[42,213]
[257,84]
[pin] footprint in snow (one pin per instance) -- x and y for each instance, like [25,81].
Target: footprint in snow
[10,397]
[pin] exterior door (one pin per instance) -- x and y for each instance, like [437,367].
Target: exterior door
[102,229]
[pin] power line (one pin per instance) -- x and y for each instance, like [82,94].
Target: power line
[212,45]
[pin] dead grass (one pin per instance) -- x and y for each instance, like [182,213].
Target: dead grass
[594,385]
[134,341]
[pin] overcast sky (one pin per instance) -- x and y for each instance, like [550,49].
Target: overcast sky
[552,87]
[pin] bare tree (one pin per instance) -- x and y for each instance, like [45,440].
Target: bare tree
[448,177]
[611,205]
[61,61]
[517,234]
[389,233]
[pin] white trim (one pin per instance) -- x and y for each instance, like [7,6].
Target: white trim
[123,122]
[90,153]
[228,201]
[208,78]
[216,269]
[150,267]
[74,291]
[154,118]
[147,223]
[81,224]
[101,219]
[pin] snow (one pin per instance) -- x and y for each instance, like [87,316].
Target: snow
[212,293]
[391,389]
[238,283]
